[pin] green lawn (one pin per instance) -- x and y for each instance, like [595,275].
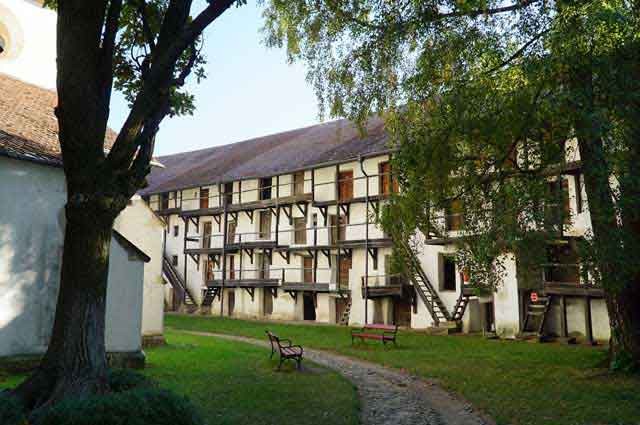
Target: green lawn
[237,383]
[514,382]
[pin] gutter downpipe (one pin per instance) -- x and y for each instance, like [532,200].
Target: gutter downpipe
[366,242]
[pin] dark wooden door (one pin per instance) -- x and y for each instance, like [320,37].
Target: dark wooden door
[232,266]
[204,198]
[231,232]
[265,224]
[307,269]
[298,183]
[402,312]
[345,266]
[231,297]
[384,178]
[345,185]
[206,234]
[267,302]
[341,307]
[309,307]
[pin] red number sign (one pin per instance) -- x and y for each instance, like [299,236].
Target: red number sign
[534,297]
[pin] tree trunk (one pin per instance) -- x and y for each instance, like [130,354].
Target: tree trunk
[75,363]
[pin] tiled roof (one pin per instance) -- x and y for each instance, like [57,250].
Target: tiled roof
[280,153]
[28,125]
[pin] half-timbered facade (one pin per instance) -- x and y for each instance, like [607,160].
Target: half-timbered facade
[284,227]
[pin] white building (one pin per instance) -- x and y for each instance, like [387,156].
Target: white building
[283,227]
[33,195]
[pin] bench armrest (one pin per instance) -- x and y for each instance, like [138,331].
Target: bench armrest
[357,330]
[288,341]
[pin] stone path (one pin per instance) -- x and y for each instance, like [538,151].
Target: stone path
[389,397]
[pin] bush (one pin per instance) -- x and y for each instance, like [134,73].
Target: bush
[140,406]
[126,379]
[11,411]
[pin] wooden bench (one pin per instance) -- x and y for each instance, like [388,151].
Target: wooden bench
[286,349]
[384,333]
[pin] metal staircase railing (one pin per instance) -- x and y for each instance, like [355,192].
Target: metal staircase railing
[422,285]
[172,276]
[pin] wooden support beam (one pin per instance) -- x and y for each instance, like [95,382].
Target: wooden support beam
[286,255]
[303,208]
[293,294]
[251,292]
[288,212]
[345,208]
[323,211]
[249,214]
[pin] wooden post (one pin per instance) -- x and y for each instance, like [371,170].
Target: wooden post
[563,317]
[587,319]
[186,231]
[223,258]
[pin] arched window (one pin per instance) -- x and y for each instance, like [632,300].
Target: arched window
[3,44]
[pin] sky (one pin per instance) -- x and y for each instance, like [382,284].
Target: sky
[250,90]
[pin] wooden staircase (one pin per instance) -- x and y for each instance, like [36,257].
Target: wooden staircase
[460,307]
[536,317]
[439,313]
[209,295]
[170,274]
[344,319]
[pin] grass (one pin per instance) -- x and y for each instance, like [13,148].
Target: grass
[236,383]
[514,382]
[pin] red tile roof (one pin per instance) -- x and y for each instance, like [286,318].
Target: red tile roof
[28,125]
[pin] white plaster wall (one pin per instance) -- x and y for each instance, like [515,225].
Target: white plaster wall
[506,304]
[31,36]
[31,243]
[142,227]
[124,300]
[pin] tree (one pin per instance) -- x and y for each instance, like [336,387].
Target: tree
[483,99]
[147,49]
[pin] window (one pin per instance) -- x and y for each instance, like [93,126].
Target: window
[176,231]
[265,225]
[387,183]
[454,218]
[345,185]
[265,188]
[3,45]
[298,183]
[448,274]
[204,199]
[300,229]
[164,201]
[232,267]
[228,193]
[578,181]
[174,260]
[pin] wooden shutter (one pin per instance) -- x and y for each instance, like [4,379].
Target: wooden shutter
[345,185]
[265,188]
[232,266]
[204,199]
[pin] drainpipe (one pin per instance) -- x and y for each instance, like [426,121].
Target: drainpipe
[366,242]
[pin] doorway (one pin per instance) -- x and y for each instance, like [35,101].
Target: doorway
[402,312]
[267,302]
[232,301]
[309,307]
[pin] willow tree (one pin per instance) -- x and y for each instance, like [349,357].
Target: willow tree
[146,48]
[484,99]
